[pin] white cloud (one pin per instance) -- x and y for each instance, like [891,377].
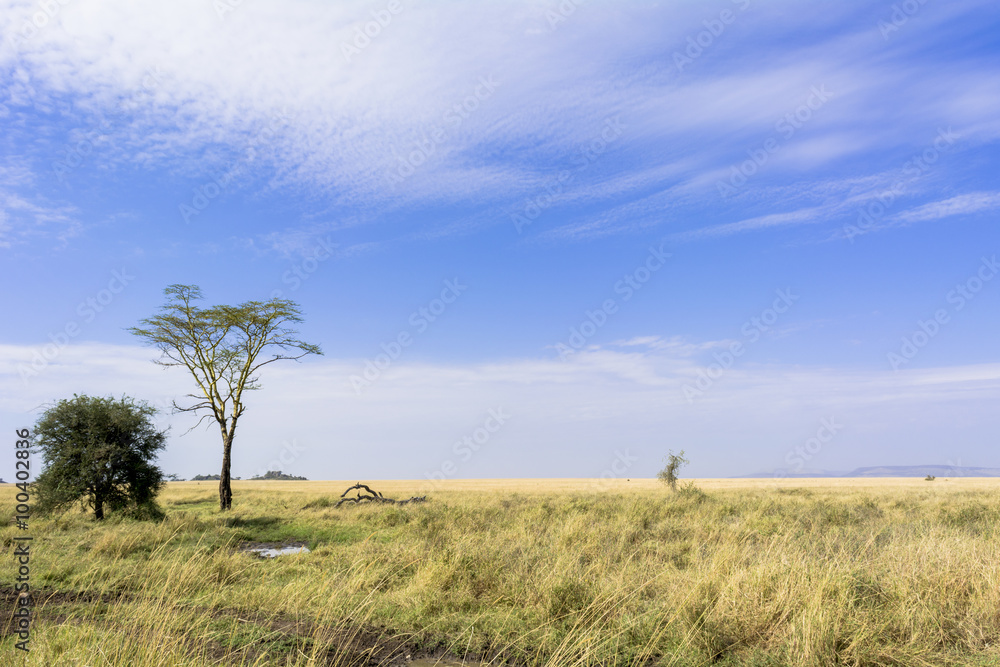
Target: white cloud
[566,418]
[22,219]
[204,88]
[24,216]
[971,202]
[799,217]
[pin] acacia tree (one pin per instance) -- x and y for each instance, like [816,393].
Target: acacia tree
[221,347]
[669,473]
[99,451]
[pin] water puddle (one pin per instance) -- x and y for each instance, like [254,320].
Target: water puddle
[274,549]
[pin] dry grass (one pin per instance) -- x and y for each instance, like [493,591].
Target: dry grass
[561,572]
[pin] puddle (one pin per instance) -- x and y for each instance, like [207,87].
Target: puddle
[274,549]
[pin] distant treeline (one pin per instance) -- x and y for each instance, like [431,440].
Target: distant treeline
[270,474]
[277,474]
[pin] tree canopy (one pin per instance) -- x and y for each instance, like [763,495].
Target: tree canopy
[99,451]
[222,348]
[277,474]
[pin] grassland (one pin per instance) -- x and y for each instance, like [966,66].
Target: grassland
[559,572]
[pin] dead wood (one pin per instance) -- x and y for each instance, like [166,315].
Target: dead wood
[370,495]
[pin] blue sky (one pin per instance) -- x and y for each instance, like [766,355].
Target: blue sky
[718,226]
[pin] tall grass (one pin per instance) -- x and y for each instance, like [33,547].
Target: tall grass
[747,573]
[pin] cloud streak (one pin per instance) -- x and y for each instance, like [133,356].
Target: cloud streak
[972,202]
[621,395]
[210,84]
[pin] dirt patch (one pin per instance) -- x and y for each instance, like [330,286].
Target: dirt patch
[42,597]
[45,605]
[349,643]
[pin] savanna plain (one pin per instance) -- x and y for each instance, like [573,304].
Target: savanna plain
[526,572]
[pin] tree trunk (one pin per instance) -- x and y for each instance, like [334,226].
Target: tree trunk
[225,481]
[98,508]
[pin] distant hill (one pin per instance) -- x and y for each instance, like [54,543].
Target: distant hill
[885,471]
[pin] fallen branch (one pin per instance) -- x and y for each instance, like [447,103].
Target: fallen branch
[373,496]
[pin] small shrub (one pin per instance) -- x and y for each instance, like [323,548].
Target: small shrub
[691,491]
[669,473]
[98,452]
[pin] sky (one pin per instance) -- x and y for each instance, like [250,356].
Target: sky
[761,232]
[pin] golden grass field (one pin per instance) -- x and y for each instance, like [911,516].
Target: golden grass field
[532,572]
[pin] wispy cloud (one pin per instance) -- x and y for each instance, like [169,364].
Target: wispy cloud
[411,91]
[972,202]
[799,217]
[625,395]
[22,219]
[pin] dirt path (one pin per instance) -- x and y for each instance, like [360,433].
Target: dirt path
[349,644]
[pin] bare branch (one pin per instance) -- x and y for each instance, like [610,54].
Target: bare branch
[373,497]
